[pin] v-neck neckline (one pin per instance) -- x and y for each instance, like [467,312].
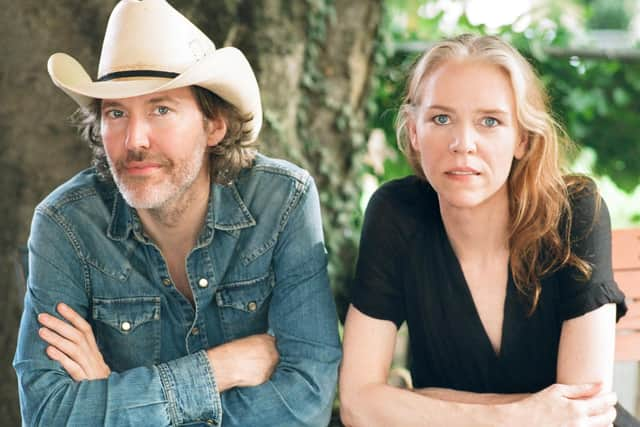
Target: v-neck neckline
[469,304]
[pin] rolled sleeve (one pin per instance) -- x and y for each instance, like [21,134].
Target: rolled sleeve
[191,390]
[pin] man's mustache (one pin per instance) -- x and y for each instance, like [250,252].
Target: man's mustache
[142,156]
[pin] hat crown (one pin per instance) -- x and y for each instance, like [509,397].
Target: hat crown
[150,47]
[150,35]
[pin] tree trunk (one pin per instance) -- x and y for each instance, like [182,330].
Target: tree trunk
[313,59]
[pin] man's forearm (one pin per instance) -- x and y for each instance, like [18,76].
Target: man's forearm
[300,393]
[170,393]
[244,362]
[50,398]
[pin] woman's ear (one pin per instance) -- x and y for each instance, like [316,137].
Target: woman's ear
[521,146]
[411,133]
[216,129]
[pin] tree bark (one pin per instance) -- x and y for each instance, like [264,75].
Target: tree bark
[313,59]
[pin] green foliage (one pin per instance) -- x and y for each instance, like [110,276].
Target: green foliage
[599,101]
[608,14]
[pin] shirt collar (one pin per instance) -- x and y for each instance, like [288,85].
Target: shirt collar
[226,212]
[124,220]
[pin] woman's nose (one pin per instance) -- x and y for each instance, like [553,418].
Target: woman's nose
[463,141]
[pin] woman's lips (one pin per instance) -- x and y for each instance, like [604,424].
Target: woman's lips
[464,171]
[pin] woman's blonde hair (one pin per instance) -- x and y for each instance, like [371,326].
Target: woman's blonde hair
[539,205]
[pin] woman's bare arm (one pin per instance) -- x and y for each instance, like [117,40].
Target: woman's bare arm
[367,400]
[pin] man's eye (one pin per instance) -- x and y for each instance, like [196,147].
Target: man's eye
[115,114]
[490,122]
[162,110]
[441,119]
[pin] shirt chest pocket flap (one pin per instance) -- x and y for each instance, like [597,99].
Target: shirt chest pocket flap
[128,330]
[244,306]
[247,296]
[125,315]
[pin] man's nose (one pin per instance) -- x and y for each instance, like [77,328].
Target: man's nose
[137,133]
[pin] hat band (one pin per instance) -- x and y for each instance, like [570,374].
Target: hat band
[137,73]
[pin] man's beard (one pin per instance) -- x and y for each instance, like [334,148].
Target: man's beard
[147,192]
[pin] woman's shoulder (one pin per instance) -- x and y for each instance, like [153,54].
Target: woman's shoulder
[581,189]
[409,195]
[585,202]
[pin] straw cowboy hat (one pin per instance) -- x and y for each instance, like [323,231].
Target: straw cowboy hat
[150,47]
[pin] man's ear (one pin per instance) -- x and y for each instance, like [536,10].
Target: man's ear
[216,129]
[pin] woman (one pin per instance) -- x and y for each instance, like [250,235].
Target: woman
[500,266]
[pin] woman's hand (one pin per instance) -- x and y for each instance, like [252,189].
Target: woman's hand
[73,345]
[567,406]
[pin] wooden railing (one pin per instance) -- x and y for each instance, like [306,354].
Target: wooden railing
[626,270]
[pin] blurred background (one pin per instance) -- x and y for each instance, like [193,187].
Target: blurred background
[331,74]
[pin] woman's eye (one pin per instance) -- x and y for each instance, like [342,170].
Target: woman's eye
[490,122]
[441,119]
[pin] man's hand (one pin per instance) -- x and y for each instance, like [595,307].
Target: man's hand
[73,345]
[245,362]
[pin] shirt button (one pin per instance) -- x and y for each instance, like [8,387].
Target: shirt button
[125,326]
[166,281]
[195,331]
[203,283]
[252,306]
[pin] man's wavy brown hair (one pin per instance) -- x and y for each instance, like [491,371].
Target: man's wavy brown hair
[539,194]
[235,152]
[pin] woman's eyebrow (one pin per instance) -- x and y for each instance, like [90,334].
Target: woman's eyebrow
[440,107]
[493,111]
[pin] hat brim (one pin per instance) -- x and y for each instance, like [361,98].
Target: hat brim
[226,72]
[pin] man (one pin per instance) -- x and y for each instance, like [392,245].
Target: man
[183,279]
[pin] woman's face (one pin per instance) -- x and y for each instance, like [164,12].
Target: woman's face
[466,132]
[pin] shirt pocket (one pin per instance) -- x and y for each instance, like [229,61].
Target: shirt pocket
[128,331]
[244,306]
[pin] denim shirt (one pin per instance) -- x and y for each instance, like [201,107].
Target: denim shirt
[259,265]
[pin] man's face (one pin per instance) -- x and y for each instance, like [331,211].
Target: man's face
[156,146]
